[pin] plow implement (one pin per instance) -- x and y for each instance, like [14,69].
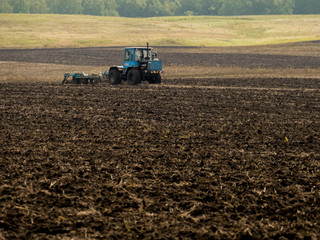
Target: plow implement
[83,78]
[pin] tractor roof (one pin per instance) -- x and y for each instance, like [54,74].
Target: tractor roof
[150,48]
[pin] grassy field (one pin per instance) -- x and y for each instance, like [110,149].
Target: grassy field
[38,31]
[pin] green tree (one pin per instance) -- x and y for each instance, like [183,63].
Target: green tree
[53,6]
[170,7]
[231,7]
[154,8]
[65,7]
[71,7]
[210,7]
[190,7]
[39,6]
[5,7]
[256,7]
[282,6]
[271,7]
[307,7]
[110,8]
[93,7]
[132,8]
[20,6]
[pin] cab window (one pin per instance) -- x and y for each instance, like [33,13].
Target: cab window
[127,55]
[138,55]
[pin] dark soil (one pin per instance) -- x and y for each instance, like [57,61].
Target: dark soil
[110,56]
[190,159]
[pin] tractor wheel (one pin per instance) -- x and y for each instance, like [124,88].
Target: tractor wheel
[134,77]
[114,77]
[156,79]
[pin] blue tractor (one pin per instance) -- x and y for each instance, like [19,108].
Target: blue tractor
[139,64]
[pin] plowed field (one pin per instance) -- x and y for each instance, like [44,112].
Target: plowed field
[190,159]
[301,55]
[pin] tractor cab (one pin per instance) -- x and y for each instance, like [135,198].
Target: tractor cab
[133,57]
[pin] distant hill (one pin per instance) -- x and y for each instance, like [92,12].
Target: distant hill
[50,31]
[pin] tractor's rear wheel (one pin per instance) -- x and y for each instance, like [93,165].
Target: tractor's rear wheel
[134,77]
[114,77]
[156,79]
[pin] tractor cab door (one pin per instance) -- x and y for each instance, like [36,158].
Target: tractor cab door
[128,60]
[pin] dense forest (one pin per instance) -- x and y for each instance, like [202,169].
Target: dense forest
[151,8]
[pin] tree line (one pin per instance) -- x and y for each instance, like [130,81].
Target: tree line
[152,8]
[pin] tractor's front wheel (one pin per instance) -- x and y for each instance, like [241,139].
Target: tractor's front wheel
[134,77]
[114,77]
